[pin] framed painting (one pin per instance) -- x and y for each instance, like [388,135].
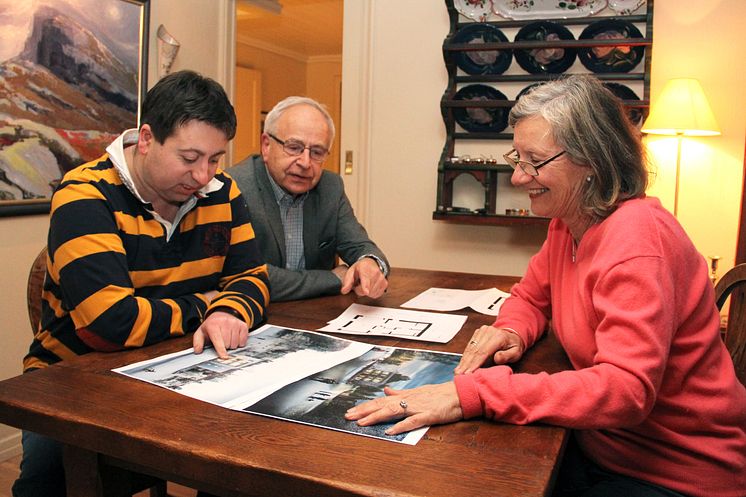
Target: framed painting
[72,77]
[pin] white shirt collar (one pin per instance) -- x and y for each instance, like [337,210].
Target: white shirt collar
[116,155]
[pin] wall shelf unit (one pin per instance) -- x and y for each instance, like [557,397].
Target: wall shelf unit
[615,47]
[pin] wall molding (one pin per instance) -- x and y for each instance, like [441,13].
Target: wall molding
[10,446]
[269,47]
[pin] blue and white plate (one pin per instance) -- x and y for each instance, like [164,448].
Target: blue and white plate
[475,119]
[544,60]
[621,58]
[482,61]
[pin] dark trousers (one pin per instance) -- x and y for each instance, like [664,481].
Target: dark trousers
[581,477]
[42,471]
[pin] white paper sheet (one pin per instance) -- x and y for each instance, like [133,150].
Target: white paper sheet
[384,321]
[300,376]
[487,301]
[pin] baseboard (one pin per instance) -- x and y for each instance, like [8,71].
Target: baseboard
[10,446]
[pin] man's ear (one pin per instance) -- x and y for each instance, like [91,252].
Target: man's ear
[265,146]
[145,139]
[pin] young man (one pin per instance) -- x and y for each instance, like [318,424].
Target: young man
[301,214]
[148,242]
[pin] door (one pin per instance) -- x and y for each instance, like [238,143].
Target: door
[247,101]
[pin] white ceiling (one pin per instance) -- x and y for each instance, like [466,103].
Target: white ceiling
[306,27]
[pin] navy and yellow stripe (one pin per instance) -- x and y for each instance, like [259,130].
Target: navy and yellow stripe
[114,281]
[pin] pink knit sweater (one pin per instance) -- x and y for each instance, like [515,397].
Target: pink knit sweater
[653,394]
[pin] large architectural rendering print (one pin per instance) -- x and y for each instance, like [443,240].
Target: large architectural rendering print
[299,376]
[72,74]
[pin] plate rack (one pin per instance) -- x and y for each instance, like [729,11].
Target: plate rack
[477,153]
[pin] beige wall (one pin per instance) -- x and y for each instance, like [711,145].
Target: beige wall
[406,133]
[282,74]
[701,40]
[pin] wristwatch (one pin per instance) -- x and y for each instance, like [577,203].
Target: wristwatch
[381,264]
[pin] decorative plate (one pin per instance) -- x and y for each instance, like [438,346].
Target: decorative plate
[528,89]
[545,59]
[494,119]
[477,10]
[547,9]
[482,61]
[605,59]
[625,93]
[625,7]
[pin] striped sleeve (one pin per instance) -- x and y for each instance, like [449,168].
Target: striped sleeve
[244,281]
[90,269]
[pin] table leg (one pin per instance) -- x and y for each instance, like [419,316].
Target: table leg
[87,476]
[82,472]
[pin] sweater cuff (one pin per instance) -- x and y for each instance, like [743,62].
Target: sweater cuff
[468,395]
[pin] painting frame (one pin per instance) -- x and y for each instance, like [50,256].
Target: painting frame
[138,12]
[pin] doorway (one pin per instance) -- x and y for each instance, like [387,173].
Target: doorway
[292,49]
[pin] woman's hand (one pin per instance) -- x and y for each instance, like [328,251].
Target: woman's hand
[422,406]
[498,344]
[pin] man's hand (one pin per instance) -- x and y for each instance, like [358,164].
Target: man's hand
[366,278]
[340,271]
[223,330]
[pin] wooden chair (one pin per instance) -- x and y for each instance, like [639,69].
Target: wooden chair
[733,285]
[124,479]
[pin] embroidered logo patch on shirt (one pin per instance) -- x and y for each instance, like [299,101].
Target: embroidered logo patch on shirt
[216,241]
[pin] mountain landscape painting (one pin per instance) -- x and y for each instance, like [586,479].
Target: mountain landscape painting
[71,79]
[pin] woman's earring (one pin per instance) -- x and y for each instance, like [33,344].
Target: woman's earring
[588,178]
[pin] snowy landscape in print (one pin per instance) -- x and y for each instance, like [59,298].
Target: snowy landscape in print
[69,84]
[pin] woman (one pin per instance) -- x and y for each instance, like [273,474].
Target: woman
[653,398]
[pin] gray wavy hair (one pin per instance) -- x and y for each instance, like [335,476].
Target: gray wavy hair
[590,124]
[270,122]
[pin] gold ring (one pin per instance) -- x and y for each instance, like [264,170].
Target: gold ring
[474,343]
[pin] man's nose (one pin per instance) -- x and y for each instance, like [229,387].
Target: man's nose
[304,159]
[201,173]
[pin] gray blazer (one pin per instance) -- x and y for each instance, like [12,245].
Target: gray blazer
[329,229]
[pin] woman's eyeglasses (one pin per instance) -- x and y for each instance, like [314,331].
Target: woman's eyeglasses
[527,167]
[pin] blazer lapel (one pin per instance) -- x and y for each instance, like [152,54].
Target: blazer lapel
[271,210]
[311,228]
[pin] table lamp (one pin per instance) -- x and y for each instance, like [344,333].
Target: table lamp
[681,110]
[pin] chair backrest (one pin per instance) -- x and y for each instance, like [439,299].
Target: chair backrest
[34,288]
[733,284]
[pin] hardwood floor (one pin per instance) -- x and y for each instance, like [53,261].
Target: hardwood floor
[9,472]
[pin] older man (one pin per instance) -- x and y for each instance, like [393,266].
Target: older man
[300,213]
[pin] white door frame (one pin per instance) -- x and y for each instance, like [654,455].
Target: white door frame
[355,129]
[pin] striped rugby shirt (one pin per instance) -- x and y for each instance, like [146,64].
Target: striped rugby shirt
[118,277]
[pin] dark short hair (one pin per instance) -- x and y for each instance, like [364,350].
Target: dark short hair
[591,125]
[185,96]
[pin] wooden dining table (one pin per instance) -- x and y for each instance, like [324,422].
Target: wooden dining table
[109,422]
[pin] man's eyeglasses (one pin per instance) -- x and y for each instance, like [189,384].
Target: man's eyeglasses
[294,148]
[527,167]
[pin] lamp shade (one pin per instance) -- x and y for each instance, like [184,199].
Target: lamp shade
[681,109]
